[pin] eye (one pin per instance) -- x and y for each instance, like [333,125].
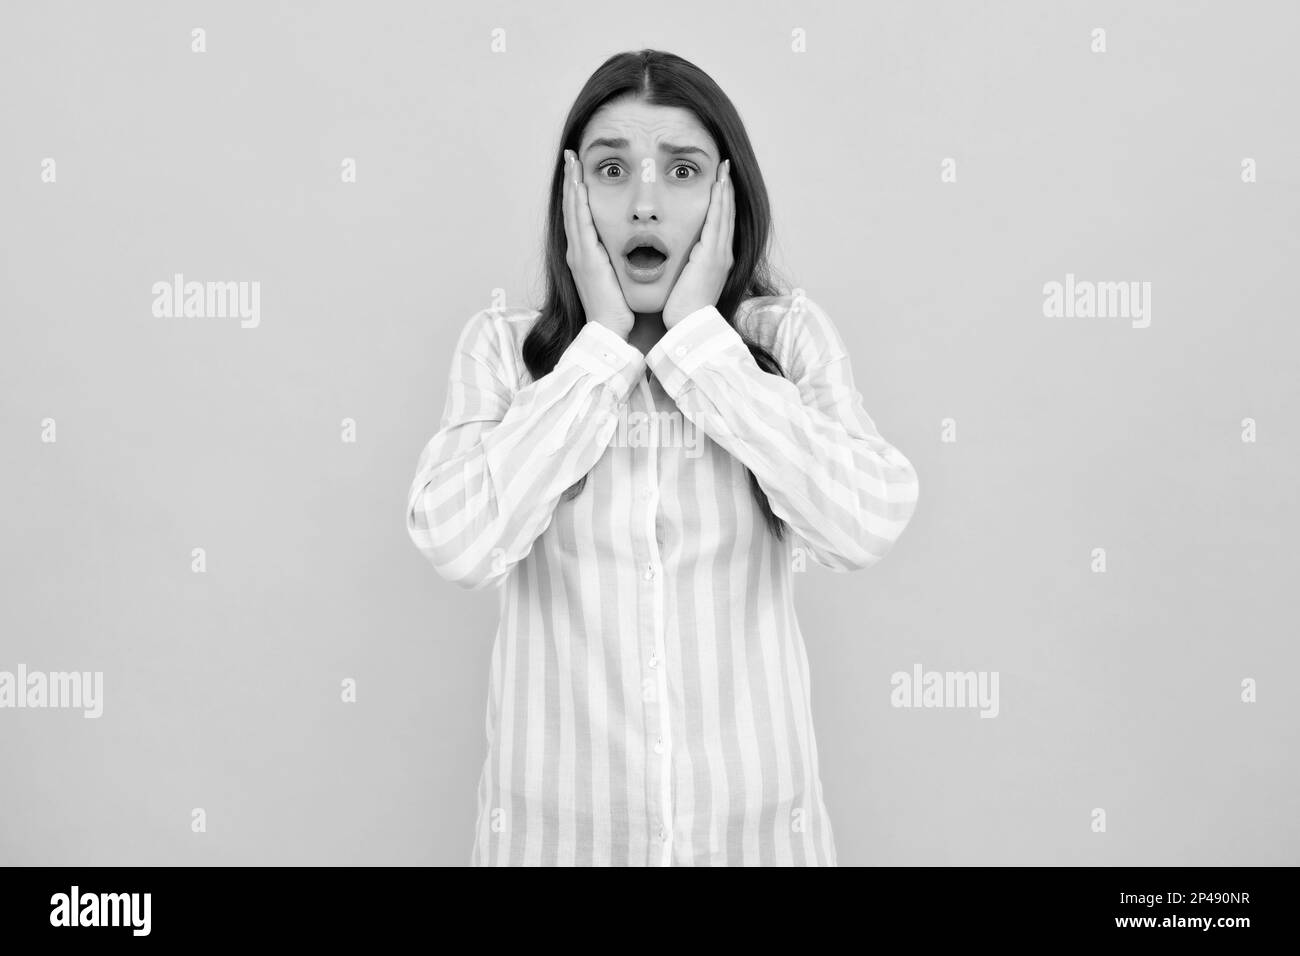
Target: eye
[686,166]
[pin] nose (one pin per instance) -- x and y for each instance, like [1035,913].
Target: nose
[643,205]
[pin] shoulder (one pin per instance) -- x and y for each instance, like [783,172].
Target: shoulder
[495,337]
[499,326]
[791,325]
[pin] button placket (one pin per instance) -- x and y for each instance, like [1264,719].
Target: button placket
[650,574]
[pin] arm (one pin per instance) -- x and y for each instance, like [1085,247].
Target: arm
[814,450]
[486,485]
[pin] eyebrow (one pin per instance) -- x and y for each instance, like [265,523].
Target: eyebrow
[669,148]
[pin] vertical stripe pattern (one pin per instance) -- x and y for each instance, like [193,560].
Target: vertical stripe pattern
[649,699]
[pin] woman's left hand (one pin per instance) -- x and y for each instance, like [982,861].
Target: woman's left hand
[701,281]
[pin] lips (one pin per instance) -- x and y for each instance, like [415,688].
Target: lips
[646,251]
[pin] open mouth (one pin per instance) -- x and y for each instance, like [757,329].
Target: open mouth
[646,257]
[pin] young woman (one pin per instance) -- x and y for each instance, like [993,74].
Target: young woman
[649,692]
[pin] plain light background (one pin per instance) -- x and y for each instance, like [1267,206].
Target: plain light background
[1118,691]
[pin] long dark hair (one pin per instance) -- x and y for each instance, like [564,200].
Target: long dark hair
[661,79]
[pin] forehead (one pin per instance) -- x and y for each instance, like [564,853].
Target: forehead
[645,126]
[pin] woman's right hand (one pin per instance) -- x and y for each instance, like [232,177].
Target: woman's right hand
[589,262]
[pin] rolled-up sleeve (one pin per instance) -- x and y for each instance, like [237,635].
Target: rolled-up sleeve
[826,470]
[487,483]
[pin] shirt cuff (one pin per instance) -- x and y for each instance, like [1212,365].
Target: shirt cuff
[697,338]
[607,355]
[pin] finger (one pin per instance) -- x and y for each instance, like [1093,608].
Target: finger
[724,207]
[730,199]
[582,208]
[722,210]
[570,225]
[709,235]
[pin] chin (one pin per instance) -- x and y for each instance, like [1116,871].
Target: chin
[645,298]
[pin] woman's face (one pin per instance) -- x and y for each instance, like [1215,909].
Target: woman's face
[654,178]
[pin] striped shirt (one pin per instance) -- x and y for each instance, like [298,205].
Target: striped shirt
[648,701]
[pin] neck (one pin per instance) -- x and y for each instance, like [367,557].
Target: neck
[647,329]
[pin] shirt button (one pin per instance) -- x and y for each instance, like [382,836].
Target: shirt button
[681,350]
[654,661]
[663,834]
[609,357]
[659,746]
[649,573]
